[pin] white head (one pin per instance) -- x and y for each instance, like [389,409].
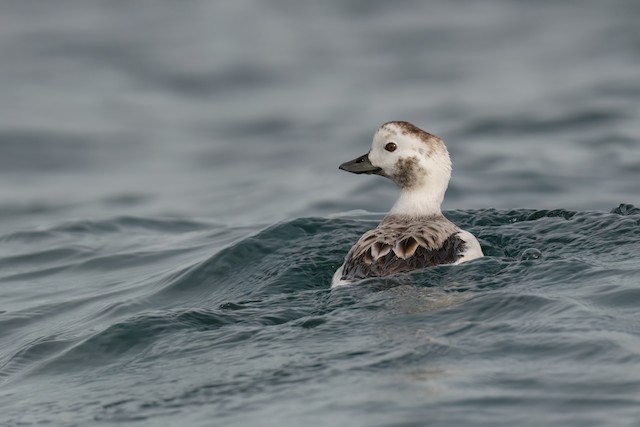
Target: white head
[417,161]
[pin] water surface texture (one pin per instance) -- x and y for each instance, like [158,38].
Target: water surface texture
[171,213]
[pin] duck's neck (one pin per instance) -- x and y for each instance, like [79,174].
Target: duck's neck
[418,202]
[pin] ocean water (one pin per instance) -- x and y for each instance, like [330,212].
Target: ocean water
[171,213]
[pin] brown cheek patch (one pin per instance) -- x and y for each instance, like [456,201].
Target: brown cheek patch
[408,172]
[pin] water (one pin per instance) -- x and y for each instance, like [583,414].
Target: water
[171,213]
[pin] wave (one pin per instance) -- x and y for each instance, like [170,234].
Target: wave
[545,275]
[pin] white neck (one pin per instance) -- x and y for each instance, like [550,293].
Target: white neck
[417,202]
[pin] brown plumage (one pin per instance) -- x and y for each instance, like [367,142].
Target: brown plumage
[400,244]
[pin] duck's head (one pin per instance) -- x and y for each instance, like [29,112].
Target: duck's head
[410,157]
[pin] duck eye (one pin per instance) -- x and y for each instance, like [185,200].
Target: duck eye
[391,146]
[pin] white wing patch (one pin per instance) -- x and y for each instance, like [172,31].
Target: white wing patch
[473,249]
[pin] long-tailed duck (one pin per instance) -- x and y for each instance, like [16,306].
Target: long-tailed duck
[414,234]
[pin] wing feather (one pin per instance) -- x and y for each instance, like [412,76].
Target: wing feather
[395,247]
[379,249]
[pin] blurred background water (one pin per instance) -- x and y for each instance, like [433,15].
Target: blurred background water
[171,213]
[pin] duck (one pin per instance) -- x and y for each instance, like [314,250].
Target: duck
[414,234]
